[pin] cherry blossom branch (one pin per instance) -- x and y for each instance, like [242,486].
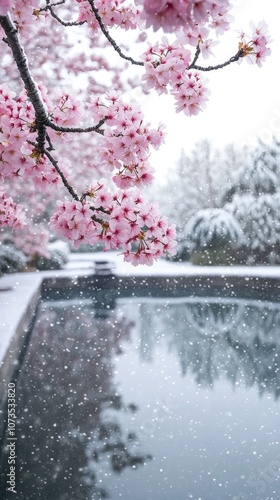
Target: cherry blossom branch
[68,186]
[95,218]
[119,218]
[42,118]
[49,7]
[93,128]
[196,56]
[30,85]
[57,168]
[233,59]
[109,38]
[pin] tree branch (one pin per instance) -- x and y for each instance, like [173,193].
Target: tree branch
[59,171]
[196,55]
[30,85]
[109,38]
[93,128]
[49,7]
[233,59]
[41,113]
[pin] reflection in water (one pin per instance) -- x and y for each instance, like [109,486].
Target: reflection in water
[218,338]
[77,435]
[68,405]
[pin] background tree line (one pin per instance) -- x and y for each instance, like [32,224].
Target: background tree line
[226,204]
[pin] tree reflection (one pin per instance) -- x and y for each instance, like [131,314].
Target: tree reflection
[69,409]
[68,405]
[216,338]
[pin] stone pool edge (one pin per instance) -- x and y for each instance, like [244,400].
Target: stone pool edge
[19,298]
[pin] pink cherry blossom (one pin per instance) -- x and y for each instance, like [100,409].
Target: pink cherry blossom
[255,47]
[172,15]
[11,215]
[124,221]
[54,140]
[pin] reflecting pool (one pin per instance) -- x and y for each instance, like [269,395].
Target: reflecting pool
[150,399]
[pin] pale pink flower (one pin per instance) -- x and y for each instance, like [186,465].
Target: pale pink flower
[206,48]
[11,214]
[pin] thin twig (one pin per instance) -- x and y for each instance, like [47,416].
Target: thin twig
[109,38]
[196,56]
[233,59]
[57,168]
[62,176]
[95,218]
[50,6]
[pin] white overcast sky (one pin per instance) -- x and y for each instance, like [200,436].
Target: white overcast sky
[244,102]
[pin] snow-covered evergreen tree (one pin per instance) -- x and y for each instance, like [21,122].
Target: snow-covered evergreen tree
[246,223]
[196,182]
[258,173]
[255,202]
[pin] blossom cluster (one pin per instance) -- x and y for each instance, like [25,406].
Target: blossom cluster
[24,12]
[127,140]
[116,220]
[21,162]
[18,157]
[123,219]
[112,13]
[256,49]
[168,15]
[32,239]
[166,66]
[171,15]
[11,215]
[35,208]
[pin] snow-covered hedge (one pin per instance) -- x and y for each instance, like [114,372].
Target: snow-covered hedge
[58,256]
[259,218]
[213,228]
[12,260]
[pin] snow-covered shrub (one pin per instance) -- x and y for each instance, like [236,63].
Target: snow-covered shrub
[213,228]
[259,217]
[61,248]
[248,224]
[54,261]
[58,256]
[211,234]
[12,260]
[212,257]
[258,174]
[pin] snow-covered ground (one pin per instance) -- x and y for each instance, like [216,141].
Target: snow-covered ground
[19,292]
[165,268]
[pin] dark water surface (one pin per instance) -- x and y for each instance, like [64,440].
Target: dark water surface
[150,399]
